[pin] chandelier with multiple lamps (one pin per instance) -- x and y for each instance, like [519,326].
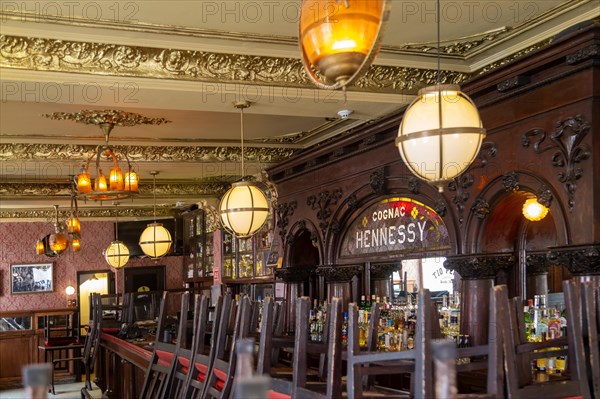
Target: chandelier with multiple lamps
[57,242]
[119,185]
[244,208]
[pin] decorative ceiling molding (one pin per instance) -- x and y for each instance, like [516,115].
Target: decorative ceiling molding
[41,54]
[110,116]
[177,189]
[136,153]
[513,57]
[461,47]
[96,213]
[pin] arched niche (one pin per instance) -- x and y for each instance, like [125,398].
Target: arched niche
[496,225]
[356,202]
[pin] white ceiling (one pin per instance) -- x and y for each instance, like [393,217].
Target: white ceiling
[41,77]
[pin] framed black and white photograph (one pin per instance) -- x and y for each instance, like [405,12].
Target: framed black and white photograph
[31,278]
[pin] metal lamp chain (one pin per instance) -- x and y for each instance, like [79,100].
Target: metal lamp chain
[242,133]
[154,195]
[438,44]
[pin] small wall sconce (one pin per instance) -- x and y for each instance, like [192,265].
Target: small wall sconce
[533,210]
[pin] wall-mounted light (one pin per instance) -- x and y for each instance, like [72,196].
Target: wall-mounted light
[533,210]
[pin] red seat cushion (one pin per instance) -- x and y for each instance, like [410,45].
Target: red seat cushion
[221,378]
[164,358]
[277,395]
[202,369]
[184,363]
[111,330]
[61,341]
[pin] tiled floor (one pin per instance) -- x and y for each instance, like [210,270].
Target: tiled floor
[63,391]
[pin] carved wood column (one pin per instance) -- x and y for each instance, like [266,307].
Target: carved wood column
[381,278]
[295,279]
[583,261]
[338,280]
[536,269]
[477,272]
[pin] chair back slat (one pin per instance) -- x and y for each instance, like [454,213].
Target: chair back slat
[223,369]
[423,387]
[591,296]
[263,364]
[578,298]
[300,343]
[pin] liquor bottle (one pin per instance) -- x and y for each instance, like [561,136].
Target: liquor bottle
[345,330]
[541,326]
[363,302]
[312,325]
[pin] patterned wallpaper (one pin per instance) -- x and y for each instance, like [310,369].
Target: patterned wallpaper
[17,241]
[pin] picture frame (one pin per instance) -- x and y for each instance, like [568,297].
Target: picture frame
[31,278]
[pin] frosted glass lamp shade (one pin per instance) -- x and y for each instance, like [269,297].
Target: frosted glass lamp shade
[70,290]
[75,245]
[155,241]
[439,140]
[84,182]
[533,210]
[39,247]
[73,225]
[131,181]
[340,39]
[117,254]
[244,209]
[58,243]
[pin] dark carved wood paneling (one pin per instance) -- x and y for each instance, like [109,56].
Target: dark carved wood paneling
[323,203]
[579,259]
[479,266]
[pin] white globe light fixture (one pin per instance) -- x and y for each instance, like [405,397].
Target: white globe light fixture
[117,253]
[245,207]
[70,290]
[155,240]
[441,132]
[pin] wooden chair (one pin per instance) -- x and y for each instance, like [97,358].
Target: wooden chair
[90,349]
[518,378]
[220,378]
[583,307]
[184,351]
[157,376]
[202,362]
[360,364]
[298,388]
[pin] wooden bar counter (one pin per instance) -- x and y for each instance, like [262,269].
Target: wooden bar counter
[120,367]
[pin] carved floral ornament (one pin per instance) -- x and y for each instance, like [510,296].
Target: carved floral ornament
[479,266]
[20,151]
[569,150]
[119,60]
[579,259]
[339,273]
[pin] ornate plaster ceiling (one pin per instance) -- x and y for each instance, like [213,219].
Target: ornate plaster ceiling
[187,61]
